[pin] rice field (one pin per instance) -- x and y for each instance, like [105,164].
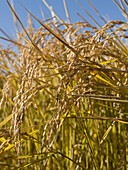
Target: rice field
[64,95]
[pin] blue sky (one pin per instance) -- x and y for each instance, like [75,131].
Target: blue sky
[106,8]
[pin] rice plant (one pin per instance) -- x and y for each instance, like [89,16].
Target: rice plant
[64,94]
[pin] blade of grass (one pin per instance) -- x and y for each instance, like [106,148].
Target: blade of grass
[51,9]
[88,14]
[14,42]
[106,133]
[66,10]
[121,8]
[95,117]
[97,12]
[52,32]
[6,120]
[14,19]
[35,46]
